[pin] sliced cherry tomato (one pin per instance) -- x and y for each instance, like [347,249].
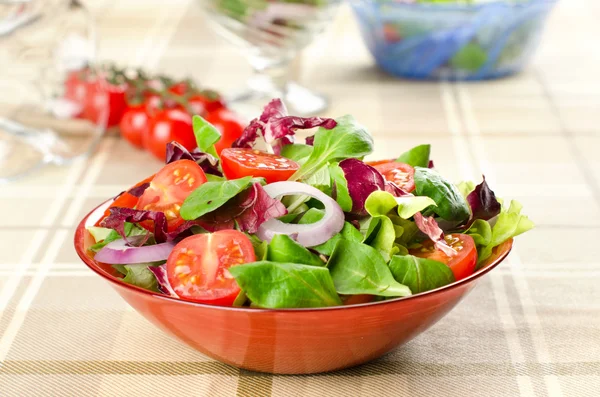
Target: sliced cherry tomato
[228,124]
[169,188]
[462,264]
[399,173]
[125,200]
[238,163]
[166,126]
[202,104]
[133,124]
[197,266]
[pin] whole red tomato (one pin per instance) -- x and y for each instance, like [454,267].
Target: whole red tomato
[228,124]
[104,100]
[165,126]
[202,104]
[133,124]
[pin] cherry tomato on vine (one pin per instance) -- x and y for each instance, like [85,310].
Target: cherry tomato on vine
[228,124]
[133,124]
[165,126]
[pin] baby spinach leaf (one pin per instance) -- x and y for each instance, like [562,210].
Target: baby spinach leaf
[275,285]
[347,140]
[420,274]
[285,250]
[339,188]
[211,195]
[348,232]
[451,205]
[260,247]
[297,152]
[360,269]
[206,135]
[417,156]
[381,236]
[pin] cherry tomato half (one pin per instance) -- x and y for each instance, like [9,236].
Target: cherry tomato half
[125,200]
[238,163]
[399,173]
[228,124]
[169,188]
[166,126]
[197,266]
[462,264]
[133,124]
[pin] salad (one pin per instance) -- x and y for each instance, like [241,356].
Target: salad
[294,225]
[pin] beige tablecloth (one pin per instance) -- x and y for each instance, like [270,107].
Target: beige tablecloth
[530,328]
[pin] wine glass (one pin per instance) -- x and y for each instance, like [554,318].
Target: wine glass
[270,34]
[44,45]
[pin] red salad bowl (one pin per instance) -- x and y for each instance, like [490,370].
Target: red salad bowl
[291,341]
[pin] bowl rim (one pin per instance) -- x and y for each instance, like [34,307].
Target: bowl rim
[456,6]
[79,238]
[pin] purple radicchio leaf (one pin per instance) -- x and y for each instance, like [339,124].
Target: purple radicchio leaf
[277,128]
[249,210]
[483,202]
[209,164]
[160,272]
[310,140]
[362,181]
[429,226]
[137,191]
[118,216]
[430,164]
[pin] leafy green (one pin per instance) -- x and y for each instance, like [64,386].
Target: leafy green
[406,230]
[381,202]
[340,186]
[510,223]
[360,269]
[215,178]
[381,235]
[466,187]
[206,135]
[470,57]
[417,156]
[297,152]
[260,247]
[140,276]
[99,233]
[211,195]
[451,205]
[277,285]
[313,215]
[130,229]
[420,274]
[348,233]
[285,250]
[347,140]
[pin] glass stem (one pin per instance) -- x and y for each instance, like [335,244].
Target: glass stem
[270,76]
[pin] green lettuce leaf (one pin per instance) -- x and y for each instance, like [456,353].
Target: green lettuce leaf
[451,205]
[360,269]
[211,195]
[420,274]
[275,285]
[347,140]
[339,184]
[206,135]
[285,250]
[381,203]
[348,233]
[417,156]
[297,152]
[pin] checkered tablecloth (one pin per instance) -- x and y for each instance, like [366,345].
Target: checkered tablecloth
[530,328]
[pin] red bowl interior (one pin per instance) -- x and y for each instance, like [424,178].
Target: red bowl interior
[290,341]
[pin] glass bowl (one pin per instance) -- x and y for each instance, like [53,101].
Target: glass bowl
[452,41]
[289,341]
[270,33]
[44,46]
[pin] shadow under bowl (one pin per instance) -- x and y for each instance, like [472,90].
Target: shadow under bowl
[290,341]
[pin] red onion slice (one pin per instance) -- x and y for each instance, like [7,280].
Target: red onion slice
[119,253]
[307,235]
